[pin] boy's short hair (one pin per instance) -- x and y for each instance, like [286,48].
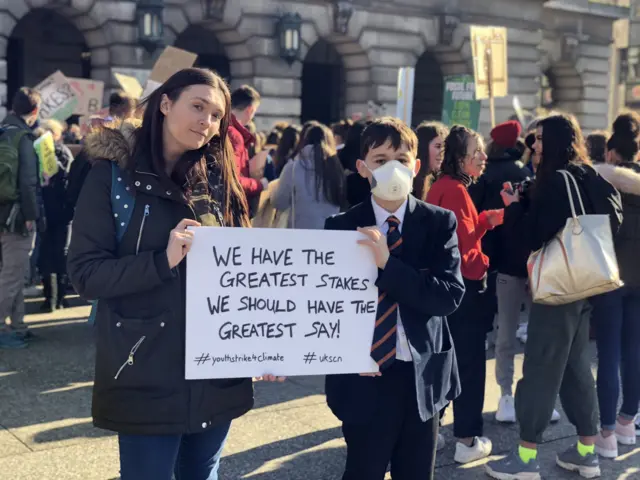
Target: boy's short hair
[386,129]
[25,101]
[243,97]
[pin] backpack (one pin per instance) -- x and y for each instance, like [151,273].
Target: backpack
[9,163]
[118,191]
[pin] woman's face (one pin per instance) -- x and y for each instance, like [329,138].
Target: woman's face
[475,161]
[194,118]
[537,146]
[436,154]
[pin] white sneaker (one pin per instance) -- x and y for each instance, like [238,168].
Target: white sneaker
[506,410]
[441,442]
[481,448]
[521,333]
[555,416]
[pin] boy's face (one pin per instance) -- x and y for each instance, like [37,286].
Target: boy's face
[377,157]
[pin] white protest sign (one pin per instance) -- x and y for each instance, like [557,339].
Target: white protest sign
[89,93]
[58,98]
[406,85]
[281,302]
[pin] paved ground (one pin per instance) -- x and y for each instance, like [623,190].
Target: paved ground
[46,431]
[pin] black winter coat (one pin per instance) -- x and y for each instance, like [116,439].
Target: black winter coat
[141,309]
[549,208]
[506,255]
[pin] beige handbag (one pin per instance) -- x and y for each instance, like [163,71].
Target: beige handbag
[579,262]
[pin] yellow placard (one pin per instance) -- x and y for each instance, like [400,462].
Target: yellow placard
[129,84]
[489,44]
[46,151]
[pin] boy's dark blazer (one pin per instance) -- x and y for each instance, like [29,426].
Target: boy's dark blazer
[427,284]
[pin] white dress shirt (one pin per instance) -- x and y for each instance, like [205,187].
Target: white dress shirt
[403,352]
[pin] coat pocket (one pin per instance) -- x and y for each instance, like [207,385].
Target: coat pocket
[442,369]
[141,352]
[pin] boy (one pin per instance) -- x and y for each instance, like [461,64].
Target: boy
[392,416]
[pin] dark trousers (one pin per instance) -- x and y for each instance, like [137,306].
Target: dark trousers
[159,457]
[395,434]
[557,360]
[468,326]
[616,318]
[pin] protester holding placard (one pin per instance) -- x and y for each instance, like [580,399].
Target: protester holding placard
[19,211]
[392,416]
[127,252]
[53,243]
[464,161]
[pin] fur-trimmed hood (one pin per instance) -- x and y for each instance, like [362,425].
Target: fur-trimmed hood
[113,142]
[625,179]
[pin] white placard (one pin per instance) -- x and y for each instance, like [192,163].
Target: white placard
[406,85]
[281,302]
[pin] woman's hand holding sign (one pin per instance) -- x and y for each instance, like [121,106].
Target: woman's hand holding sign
[377,242]
[180,240]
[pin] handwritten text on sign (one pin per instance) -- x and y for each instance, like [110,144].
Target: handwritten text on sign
[282,302]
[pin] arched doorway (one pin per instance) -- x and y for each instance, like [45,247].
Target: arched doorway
[563,88]
[323,84]
[211,53]
[428,89]
[42,42]
[546,93]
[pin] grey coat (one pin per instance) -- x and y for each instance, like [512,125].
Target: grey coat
[311,208]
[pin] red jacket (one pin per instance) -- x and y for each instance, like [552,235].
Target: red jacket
[240,139]
[449,193]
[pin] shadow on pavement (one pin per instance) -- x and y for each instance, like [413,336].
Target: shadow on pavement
[46,388]
[301,459]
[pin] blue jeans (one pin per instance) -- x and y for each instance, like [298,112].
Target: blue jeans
[158,457]
[616,318]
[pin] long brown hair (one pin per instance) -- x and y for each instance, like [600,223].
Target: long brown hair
[329,174]
[194,165]
[562,144]
[455,150]
[426,132]
[286,146]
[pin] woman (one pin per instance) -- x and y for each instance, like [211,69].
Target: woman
[464,161]
[165,424]
[557,358]
[313,183]
[288,141]
[431,137]
[616,315]
[53,243]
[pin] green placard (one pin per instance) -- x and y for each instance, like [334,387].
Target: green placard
[459,106]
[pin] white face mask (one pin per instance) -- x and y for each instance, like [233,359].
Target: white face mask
[392,181]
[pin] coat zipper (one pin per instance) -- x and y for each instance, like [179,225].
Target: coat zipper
[147,210]
[129,360]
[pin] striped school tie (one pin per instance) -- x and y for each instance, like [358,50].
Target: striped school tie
[383,349]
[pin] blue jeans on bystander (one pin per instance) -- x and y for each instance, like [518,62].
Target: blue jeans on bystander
[194,456]
[616,318]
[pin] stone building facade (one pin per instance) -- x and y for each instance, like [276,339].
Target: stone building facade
[341,67]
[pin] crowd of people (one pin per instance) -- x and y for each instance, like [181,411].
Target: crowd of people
[452,259]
